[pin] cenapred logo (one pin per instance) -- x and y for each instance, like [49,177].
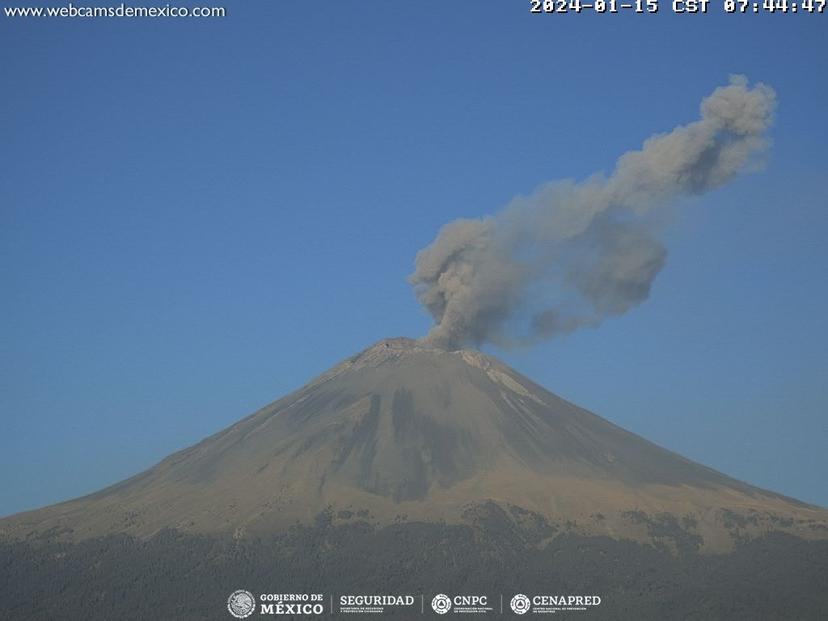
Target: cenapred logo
[441,604]
[520,604]
[241,604]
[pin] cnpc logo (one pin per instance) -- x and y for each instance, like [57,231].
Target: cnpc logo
[442,603]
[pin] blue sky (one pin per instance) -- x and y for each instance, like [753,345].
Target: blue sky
[199,216]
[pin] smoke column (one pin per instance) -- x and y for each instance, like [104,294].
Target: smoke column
[574,253]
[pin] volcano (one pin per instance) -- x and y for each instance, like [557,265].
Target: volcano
[407,432]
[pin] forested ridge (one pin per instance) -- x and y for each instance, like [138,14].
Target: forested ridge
[180,576]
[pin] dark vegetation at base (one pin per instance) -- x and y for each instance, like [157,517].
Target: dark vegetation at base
[177,576]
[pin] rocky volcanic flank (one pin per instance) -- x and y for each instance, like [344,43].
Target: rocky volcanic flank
[406,432]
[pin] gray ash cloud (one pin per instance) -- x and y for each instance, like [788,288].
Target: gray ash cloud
[573,253]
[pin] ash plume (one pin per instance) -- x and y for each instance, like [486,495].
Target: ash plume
[573,253]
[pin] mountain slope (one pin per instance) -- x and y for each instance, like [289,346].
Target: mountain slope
[407,432]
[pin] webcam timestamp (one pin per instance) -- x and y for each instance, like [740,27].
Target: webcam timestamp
[599,6]
[677,6]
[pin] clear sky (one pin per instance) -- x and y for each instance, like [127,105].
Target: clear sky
[197,216]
